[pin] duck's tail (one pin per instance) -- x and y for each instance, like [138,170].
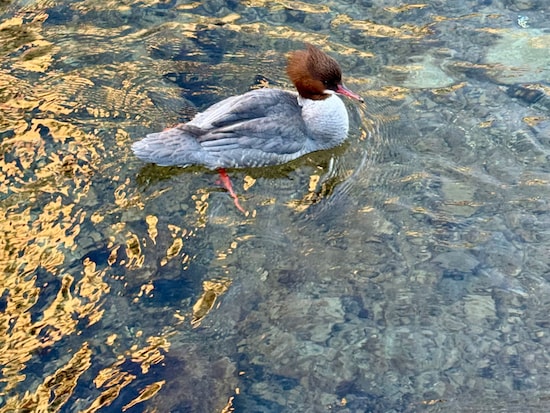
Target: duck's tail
[176,146]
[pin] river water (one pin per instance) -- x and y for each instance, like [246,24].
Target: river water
[407,270]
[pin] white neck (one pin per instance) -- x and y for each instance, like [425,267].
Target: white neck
[327,120]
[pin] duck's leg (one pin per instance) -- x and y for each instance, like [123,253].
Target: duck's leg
[225,181]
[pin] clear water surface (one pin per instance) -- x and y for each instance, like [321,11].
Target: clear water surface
[406,271]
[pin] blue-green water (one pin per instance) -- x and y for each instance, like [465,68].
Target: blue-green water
[406,271]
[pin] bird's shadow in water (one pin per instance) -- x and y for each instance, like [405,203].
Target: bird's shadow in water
[151,174]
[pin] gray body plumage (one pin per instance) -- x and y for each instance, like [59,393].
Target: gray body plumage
[259,128]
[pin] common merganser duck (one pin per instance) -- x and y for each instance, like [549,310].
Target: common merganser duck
[264,126]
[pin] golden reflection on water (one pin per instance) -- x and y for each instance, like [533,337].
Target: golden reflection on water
[405,7]
[211,291]
[369,28]
[288,5]
[56,389]
[47,168]
[145,394]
